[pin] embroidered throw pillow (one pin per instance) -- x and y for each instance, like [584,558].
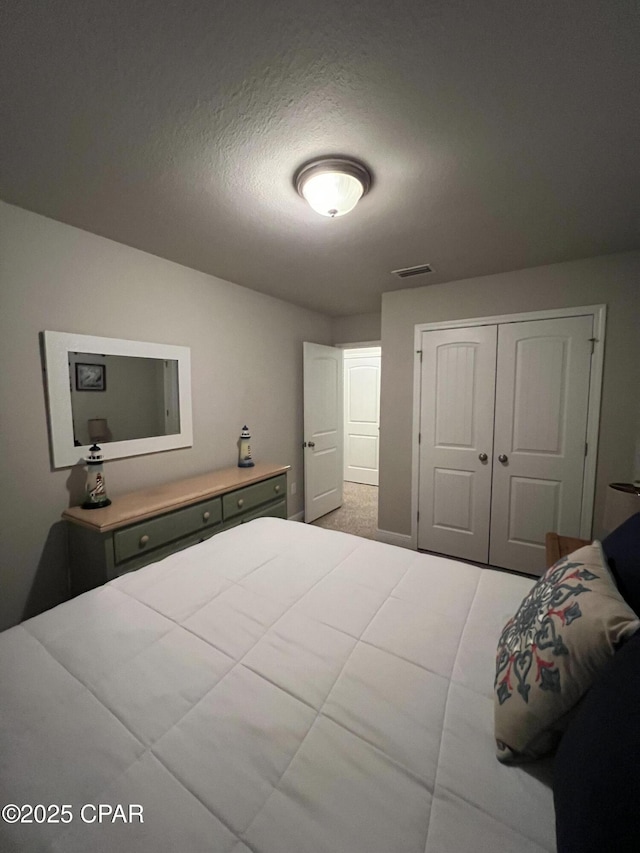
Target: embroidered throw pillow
[549,653]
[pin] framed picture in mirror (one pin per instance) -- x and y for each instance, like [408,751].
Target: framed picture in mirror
[91,377]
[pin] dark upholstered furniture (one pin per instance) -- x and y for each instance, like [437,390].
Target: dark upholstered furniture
[597,766]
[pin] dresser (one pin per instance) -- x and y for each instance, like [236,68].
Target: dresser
[148,525]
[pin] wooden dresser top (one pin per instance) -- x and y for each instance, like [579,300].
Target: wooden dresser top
[137,506]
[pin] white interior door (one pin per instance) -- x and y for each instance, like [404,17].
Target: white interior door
[323,430]
[456,439]
[361,415]
[542,399]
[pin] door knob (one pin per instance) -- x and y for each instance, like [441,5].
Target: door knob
[502,458]
[482,457]
[312,444]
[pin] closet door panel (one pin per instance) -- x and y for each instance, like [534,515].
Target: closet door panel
[456,424]
[542,396]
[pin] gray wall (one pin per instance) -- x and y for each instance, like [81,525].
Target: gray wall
[357,328]
[613,280]
[246,361]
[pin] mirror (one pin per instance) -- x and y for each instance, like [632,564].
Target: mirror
[130,397]
[120,397]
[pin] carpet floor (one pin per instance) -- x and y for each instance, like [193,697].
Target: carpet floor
[358,513]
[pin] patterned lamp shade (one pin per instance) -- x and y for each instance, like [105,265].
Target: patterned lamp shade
[98,430]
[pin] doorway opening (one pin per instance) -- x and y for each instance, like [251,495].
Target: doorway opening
[358,513]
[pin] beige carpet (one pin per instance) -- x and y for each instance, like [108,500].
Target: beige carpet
[358,513]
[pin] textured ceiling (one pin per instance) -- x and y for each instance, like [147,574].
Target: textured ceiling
[500,135]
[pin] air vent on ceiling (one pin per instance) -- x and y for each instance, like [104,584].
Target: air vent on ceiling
[407,271]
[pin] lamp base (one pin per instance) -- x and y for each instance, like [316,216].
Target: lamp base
[102,504]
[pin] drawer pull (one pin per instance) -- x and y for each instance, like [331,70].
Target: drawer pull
[240,502]
[206,516]
[144,540]
[276,488]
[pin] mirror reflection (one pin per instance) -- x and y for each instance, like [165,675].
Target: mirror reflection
[120,398]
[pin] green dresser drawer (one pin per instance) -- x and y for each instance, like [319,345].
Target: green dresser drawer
[272,510]
[277,510]
[151,534]
[251,497]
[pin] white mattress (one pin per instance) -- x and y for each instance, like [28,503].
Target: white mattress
[279,688]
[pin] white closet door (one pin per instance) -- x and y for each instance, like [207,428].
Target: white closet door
[456,425]
[542,397]
[361,415]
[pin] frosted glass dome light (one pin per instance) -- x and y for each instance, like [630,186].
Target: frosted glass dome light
[333,186]
[332,193]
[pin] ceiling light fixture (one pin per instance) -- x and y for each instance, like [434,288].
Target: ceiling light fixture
[333,185]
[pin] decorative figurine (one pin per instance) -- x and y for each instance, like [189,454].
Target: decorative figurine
[95,490]
[244,456]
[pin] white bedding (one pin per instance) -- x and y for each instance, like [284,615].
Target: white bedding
[279,688]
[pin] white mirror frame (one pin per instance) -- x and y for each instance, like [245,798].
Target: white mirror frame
[58,345]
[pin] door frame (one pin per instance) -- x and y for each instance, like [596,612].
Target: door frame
[599,314]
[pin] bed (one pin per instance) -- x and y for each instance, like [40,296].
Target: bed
[279,688]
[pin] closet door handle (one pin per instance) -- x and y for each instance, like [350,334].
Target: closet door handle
[482,457]
[503,458]
[312,444]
